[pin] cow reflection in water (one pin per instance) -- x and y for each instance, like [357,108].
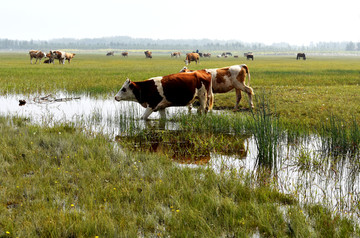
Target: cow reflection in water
[181,147]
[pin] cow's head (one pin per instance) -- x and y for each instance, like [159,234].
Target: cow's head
[126,92]
[185,69]
[186,62]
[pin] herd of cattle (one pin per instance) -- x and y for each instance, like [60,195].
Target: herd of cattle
[52,55]
[179,89]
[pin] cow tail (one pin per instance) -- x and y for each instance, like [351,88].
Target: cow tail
[247,71]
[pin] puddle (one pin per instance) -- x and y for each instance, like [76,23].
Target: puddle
[301,169]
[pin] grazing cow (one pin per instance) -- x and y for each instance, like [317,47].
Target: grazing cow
[300,55]
[250,57]
[158,93]
[60,55]
[125,54]
[148,54]
[192,57]
[208,55]
[226,54]
[110,53]
[228,78]
[37,54]
[175,54]
[69,56]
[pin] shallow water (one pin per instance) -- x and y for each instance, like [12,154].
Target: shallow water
[325,180]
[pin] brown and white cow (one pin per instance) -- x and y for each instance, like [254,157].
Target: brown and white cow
[60,55]
[125,54]
[158,93]
[175,54]
[192,57]
[228,78]
[37,54]
[148,54]
[69,56]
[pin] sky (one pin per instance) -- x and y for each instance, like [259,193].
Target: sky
[297,22]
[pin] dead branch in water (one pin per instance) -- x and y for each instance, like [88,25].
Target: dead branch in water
[51,99]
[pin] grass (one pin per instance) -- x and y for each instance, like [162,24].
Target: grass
[305,92]
[60,182]
[64,181]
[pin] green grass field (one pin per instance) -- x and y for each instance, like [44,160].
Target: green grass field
[64,181]
[303,92]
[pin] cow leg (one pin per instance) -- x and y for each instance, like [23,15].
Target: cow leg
[238,98]
[30,60]
[147,113]
[203,99]
[246,89]
[210,100]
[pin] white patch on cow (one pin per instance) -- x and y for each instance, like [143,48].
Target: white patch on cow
[125,93]
[164,102]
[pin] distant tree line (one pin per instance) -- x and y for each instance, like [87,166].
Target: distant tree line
[128,43]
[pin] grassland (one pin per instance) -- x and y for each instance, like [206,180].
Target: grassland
[303,92]
[63,181]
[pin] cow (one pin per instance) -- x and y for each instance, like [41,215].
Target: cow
[226,54]
[300,55]
[110,53]
[60,55]
[175,54]
[158,93]
[250,57]
[208,55]
[37,54]
[192,57]
[69,56]
[228,78]
[125,54]
[148,54]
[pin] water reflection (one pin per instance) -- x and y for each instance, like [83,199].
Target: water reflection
[301,168]
[183,146]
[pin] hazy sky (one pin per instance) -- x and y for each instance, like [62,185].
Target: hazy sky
[294,21]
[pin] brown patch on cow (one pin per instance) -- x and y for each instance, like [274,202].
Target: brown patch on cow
[179,89]
[146,93]
[221,73]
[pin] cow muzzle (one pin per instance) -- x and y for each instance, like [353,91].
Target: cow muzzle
[117,98]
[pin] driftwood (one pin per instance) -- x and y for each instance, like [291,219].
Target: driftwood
[48,99]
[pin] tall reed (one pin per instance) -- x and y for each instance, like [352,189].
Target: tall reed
[266,131]
[340,137]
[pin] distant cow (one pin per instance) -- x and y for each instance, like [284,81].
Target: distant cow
[69,56]
[175,54]
[110,53]
[60,55]
[181,89]
[250,57]
[148,54]
[192,57]
[226,54]
[300,55]
[207,55]
[228,78]
[125,54]
[37,54]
